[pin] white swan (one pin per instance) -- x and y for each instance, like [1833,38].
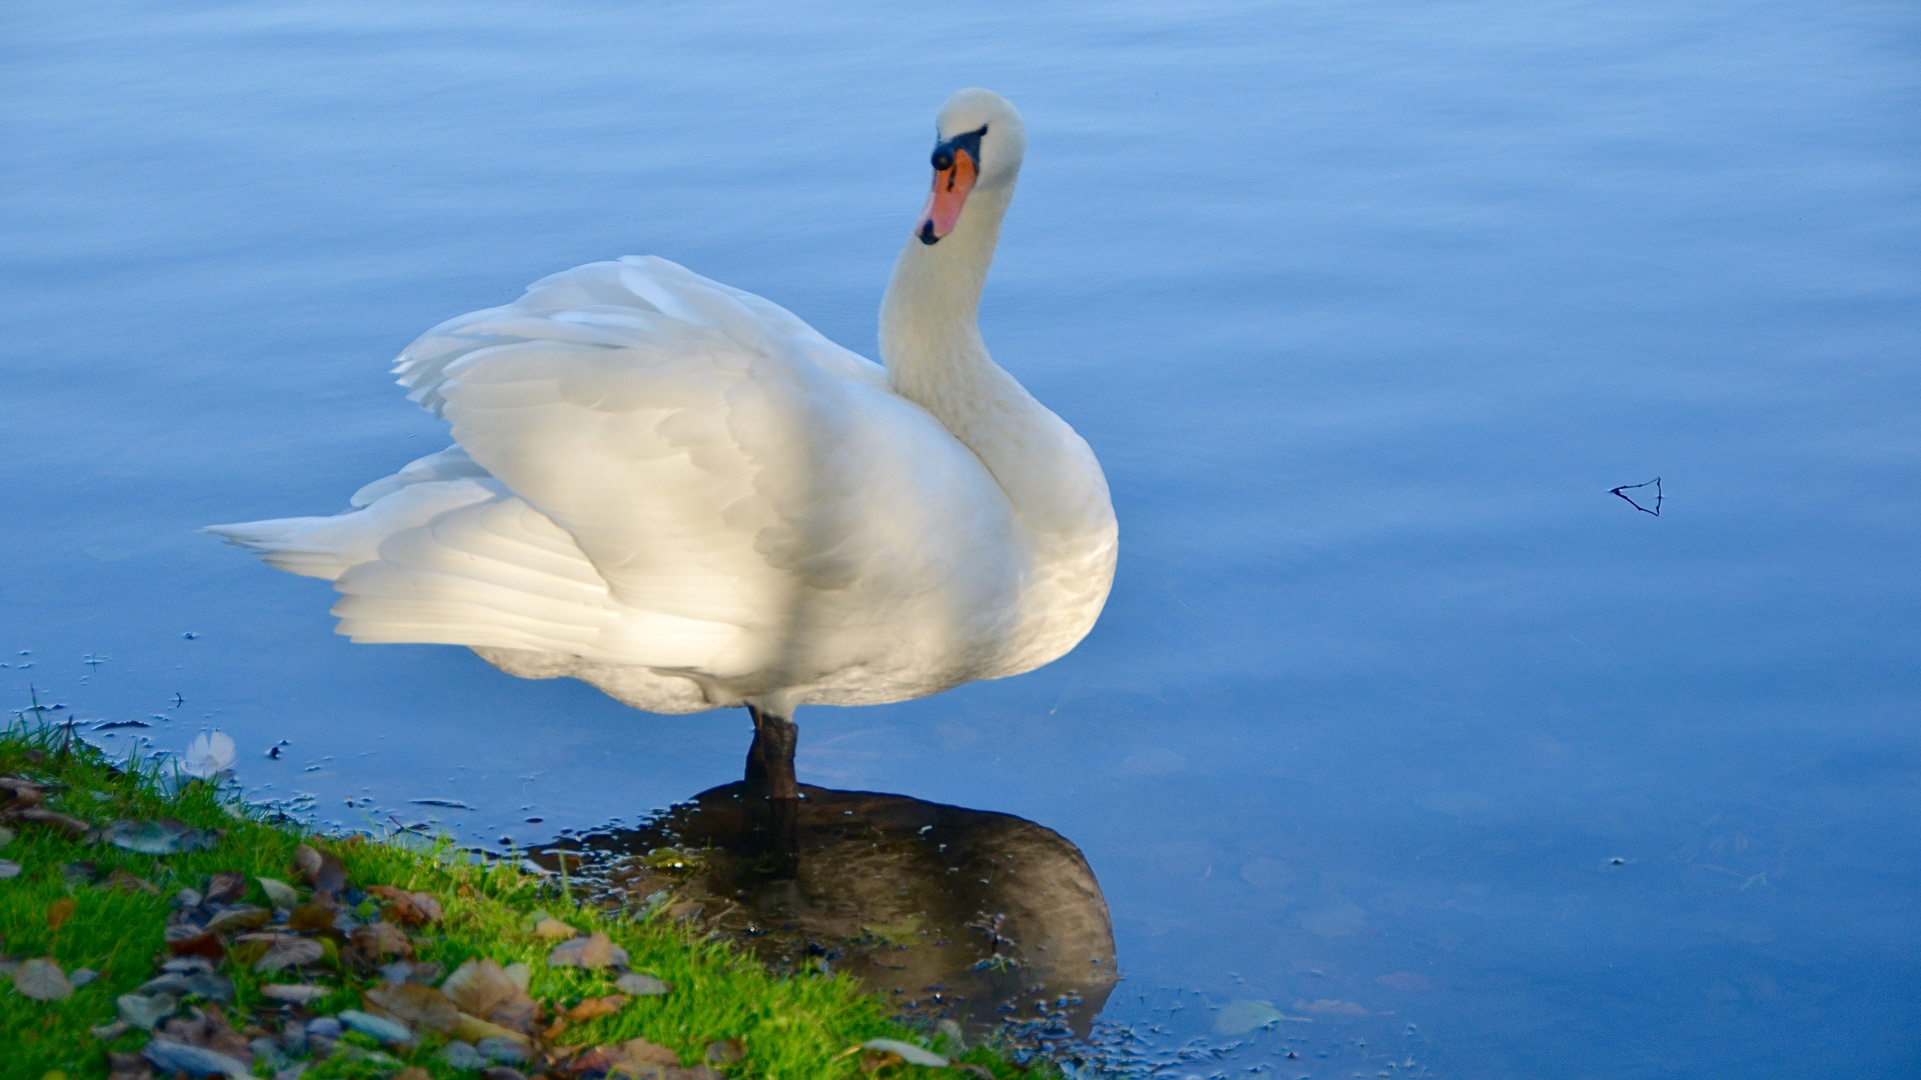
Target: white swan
[686,496]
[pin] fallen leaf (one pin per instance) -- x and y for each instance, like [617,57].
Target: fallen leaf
[377,941]
[554,930]
[166,836]
[646,1054]
[641,984]
[145,1010]
[109,1032]
[239,918]
[189,940]
[598,953]
[378,1027]
[224,887]
[322,869]
[52,817]
[481,988]
[872,1061]
[316,916]
[593,1008]
[1241,1017]
[124,881]
[907,1052]
[726,1051]
[592,953]
[42,980]
[207,1027]
[170,1056]
[475,1030]
[1330,1007]
[286,950]
[417,1006]
[298,993]
[59,912]
[6,836]
[190,976]
[279,893]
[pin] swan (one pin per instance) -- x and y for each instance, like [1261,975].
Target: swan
[682,494]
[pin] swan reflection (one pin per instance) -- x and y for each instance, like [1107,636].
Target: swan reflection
[970,915]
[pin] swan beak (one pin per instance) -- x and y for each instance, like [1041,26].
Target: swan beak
[951,186]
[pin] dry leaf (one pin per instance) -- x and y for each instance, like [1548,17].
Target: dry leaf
[592,953]
[298,993]
[240,918]
[321,869]
[726,1051]
[124,881]
[279,893]
[189,940]
[286,951]
[484,990]
[418,1006]
[906,1051]
[377,941]
[555,930]
[644,1053]
[315,917]
[42,980]
[224,887]
[166,836]
[60,911]
[641,984]
[593,1008]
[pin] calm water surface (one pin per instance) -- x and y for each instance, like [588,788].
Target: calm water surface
[1397,719]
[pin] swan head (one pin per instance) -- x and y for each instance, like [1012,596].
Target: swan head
[979,141]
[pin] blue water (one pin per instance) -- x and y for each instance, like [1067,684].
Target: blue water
[1365,307]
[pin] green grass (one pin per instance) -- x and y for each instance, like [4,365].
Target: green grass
[793,1028]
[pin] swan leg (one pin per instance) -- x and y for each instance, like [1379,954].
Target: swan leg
[770,761]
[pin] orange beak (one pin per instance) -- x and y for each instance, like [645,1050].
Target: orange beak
[944,203]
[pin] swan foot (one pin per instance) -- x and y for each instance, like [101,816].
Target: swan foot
[770,761]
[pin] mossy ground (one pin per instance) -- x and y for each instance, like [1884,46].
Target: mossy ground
[792,1027]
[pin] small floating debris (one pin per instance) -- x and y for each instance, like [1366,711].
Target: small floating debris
[451,804]
[1647,502]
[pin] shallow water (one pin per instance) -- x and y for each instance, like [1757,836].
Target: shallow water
[1397,719]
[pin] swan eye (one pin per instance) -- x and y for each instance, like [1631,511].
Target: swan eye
[943,159]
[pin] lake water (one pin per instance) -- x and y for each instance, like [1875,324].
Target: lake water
[1397,719]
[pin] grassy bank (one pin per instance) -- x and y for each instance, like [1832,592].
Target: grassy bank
[374,935]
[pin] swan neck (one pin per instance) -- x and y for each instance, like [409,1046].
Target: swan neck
[930,318]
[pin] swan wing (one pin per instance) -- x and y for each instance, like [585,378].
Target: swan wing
[720,464]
